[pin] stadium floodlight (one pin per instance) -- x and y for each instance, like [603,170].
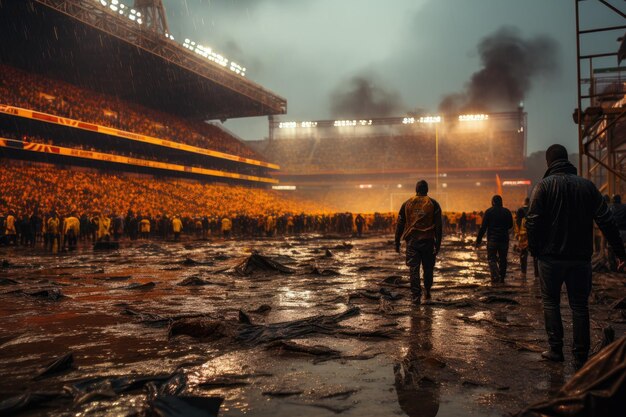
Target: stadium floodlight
[104,3]
[364,186]
[399,185]
[444,185]
[344,123]
[408,120]
[478,184]
[473,117]
[287,125]
[284,187]
[430,119]
[139,21]
[113,7]
[308,124]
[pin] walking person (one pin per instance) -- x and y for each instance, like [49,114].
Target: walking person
[463,225]
[497,222]
[560,220]
[360,223]
[419,225]
[522,239]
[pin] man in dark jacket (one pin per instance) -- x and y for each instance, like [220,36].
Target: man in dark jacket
[419,224]
[560,220]
[497,222]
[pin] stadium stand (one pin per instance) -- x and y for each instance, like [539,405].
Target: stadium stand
[24,186]
[32,91]
[457,151]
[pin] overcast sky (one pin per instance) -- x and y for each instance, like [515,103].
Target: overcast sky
[413,51]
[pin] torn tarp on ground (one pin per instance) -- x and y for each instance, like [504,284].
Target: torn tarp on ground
[597,390]
[259,263]
[254,334]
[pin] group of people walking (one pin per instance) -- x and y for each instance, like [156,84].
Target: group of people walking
[555,226]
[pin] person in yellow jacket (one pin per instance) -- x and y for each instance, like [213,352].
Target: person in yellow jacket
[53,225]
[10,230]
[71,230]
[177,227]
[227,226]
[144,228]
[104,228]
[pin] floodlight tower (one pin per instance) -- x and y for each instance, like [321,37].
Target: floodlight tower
[153,14]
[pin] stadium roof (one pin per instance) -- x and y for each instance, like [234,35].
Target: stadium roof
[85,44]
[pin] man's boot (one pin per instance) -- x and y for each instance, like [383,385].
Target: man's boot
[554,355]
[427,297]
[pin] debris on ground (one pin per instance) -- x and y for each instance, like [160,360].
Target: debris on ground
[259,263]
[256,334]
[57,366]
[597,389]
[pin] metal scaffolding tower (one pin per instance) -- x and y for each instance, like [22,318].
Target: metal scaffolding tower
[601,111]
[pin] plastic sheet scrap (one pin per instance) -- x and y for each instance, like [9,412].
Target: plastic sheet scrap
[259,263]
[596,390]
[255,334]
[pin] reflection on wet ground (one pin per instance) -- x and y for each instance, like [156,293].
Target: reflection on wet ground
[473,350]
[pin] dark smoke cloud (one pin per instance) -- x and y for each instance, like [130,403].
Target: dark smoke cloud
[510,64]
[363,96]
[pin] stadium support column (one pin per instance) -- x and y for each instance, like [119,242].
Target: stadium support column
[270,120]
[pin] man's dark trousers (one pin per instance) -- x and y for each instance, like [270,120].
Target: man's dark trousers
[497,257]
[420,253]
[577,278]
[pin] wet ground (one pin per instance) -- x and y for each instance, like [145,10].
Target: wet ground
[472,351]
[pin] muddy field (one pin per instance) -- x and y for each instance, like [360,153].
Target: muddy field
[183,316]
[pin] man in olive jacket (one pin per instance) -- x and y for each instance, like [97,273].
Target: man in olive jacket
[560,220]
[419,224]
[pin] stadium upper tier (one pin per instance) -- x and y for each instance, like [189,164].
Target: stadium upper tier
[32,91]
[35,149]
[459,150]
[88,44]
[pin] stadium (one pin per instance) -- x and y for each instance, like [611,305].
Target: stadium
[139,104]
[153,262]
